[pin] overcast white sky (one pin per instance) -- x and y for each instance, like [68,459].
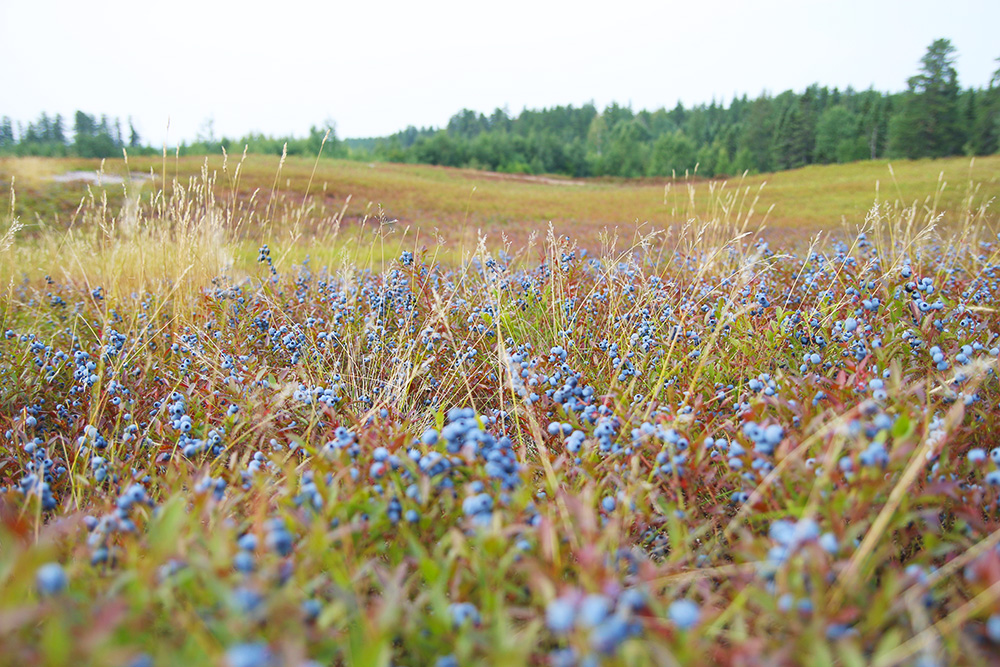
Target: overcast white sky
[374,66]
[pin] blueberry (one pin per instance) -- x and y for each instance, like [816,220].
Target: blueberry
[806,529]
[993,628]
[50,579]
[141,660]
[632,600]
[249,655]
[243,562]
[559,616]
[280,541]
[608,635]
[594,609]
[247,601]
[311,609]
[837,631]
[247,542]
[478,505]
[977,455]
[828,541]
[782,532]
[565,657]
[464,611]
[608,503]
[684,613]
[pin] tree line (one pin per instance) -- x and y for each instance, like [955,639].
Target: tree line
[104,137]
[933,117]
[48,136]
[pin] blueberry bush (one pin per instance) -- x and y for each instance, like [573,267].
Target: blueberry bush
[692,449]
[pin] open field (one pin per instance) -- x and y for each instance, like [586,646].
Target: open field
[457,204]
[686,444]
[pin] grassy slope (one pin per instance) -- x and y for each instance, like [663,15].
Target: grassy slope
[457,202]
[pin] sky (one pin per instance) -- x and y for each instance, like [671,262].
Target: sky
[373,67]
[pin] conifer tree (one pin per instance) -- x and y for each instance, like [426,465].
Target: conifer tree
[929,124]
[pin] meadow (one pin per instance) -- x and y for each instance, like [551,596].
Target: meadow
[455,205]
[332,413]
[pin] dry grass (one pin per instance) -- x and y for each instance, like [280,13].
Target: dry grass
[458,205]
[194,219]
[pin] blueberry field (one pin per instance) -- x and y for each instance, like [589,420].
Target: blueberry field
[690,445]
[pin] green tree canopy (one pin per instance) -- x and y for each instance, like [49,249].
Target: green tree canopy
[673,153]
[929,124]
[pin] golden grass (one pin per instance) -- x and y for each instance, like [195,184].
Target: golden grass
[458,202]
[202,217]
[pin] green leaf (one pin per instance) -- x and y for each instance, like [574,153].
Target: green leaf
[902,428]
[56,641]
[165,528]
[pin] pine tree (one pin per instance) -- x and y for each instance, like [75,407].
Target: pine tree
[873,126]
[133,135]
[795,137]
[993,109]
[929,123]
[7,139]
[59,130]
[757,137]
[836,125]
[83,125]
[984,136]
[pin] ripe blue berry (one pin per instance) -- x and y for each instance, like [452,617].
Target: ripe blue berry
[50,579]
[684,613]
[249,655]
[560,615]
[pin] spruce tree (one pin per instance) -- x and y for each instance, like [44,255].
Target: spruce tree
[929,123]
[7,140]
